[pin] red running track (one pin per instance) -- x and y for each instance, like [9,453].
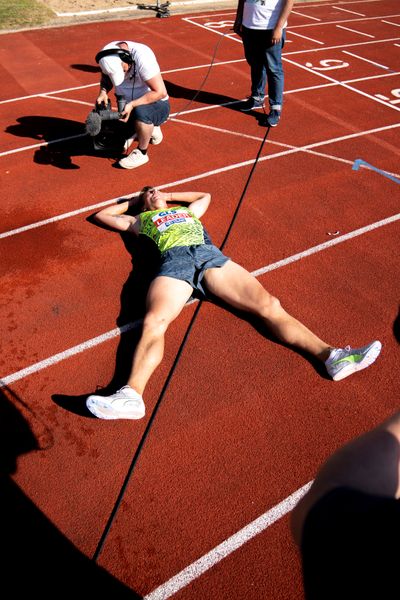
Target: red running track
[194,500]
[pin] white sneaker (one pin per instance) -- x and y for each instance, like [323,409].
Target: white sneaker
[346,361]
[134,159]
[124,404]
[156,136]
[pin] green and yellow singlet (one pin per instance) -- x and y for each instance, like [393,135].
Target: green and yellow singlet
[171,227]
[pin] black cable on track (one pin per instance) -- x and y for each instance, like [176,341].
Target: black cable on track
[146,432]
[171,373]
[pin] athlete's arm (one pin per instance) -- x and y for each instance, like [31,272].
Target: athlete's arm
[113,216]
[198,202]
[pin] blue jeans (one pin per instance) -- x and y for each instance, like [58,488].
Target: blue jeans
[265,61]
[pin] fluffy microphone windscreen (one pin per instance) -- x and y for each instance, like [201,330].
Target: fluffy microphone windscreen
[93,124]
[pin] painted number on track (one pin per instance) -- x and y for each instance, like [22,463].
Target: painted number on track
[328,64]
[395,93]
[219,24]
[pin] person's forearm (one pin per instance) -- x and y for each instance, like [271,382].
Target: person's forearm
[116,209]
[286,10]
[148,98]
[105,84]
[185,196]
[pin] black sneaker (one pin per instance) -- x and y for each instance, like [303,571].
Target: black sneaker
[273,117]
[251,104]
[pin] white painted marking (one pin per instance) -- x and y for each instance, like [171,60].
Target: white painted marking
[355,31]
[203,564]
[391,23]
[296,12]
[341,46]
[56,358]
[293,150]
[349,11]
[362,20]
[328,64]
[365,59]
[341,83]
[52,97]
[305,37]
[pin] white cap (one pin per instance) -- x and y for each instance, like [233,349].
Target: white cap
[112,66]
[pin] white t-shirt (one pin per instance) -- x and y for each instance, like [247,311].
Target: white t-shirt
[262,14]
[144,68]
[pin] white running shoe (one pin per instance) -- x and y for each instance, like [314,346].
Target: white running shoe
[156,136]
[134,159]
[124,404]
[346,361]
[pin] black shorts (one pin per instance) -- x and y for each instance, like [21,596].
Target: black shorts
[189,263]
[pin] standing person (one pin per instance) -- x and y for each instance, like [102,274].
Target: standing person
[132,69]
[189,261]
[262,26]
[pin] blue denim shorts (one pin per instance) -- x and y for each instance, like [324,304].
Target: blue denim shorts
[189,263]
[156,113]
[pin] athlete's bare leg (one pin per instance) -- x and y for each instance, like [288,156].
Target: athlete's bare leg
[237,287]
[165,300]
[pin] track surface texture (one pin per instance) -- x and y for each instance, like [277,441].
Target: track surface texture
[194,500]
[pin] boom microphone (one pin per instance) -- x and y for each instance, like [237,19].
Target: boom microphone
[93,124]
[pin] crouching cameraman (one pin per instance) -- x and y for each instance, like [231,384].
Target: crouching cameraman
[143,103]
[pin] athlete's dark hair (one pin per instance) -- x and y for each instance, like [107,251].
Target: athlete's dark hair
[142,192]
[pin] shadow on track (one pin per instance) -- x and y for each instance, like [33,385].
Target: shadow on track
[37,559]
[62,139]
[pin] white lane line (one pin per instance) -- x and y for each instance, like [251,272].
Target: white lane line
[365,59]
[61,356]
[379,76]
[280,144]
[35,146]
[292,150]
[205,66]
[320,247]
[355,31]
[52,97]
[341,46]
[390,23]
[340,83]
[211,107]
[296,12]
[306,38]
[349,11]
[56,358]
[336,22]
[203,564]
[208,28]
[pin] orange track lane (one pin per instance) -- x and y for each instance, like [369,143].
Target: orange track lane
[243,422]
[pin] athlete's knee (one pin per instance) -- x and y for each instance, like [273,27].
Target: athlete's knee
[155,325]
[270,306]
